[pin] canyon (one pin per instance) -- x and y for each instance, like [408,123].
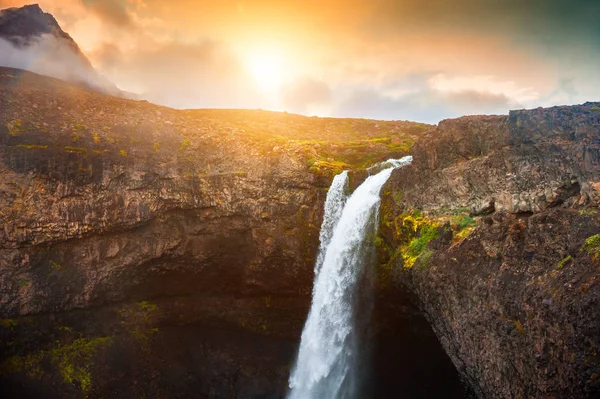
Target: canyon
[151,252]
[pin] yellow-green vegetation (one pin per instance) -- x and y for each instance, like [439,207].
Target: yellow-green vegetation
[592,246]
[15,127]
[9,323]
[563,262]
[73,361]
[32,146]
[23,283]
[322,167]
[123,153]
[75,136]
[138,317]
[416,247]
[55,266]
[463,225]
[588,212]
[185,144]
[519,326]
[96,138]
[156,145]
[596,108]
[31,364]
[79,150]
[412,231]
[331,158]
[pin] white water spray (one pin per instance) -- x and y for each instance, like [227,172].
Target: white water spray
[334,204]
[327,359]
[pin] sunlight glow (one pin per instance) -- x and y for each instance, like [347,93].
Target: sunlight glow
[266,67]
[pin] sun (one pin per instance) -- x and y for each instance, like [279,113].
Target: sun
[266,68]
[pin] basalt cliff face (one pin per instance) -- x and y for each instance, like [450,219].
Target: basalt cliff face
[151,252]
[494,231]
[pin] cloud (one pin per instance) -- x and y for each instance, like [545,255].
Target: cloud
[304,94]
[426,105]
[112,11]
[54,57]
[205,74]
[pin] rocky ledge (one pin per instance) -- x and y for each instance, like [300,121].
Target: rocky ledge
[494,230]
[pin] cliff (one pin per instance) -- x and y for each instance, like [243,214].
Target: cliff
[494,231]
[158,252]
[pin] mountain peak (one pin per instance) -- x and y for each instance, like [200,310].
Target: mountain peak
[20,25]
[32,39]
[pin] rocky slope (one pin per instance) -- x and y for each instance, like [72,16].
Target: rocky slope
[494,230]
[32,39]
[151,252]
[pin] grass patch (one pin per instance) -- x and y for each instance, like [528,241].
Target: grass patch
[185,144]
[563,262]
[417,246]
[592,246]
[587,212]
[15,127]
[55,266]
[32,146]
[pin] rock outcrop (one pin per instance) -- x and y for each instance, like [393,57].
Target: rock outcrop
[494,230]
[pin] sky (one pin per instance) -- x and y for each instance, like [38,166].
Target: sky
[418,60]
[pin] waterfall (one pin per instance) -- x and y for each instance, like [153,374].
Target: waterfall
[334,204]
[327,358]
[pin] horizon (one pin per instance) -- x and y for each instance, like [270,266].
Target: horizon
[336,60]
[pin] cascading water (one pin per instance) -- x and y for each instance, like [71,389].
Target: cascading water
[328,354]
[334,204]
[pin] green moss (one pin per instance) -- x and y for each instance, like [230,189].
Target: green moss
[563,262]
[9,323]
[31,364]
[185,144]
[147,307]
[595,108]
[587,212]
[424,258]
[465,221]
[74,361]
[23,283]
[32,146]
[15,127]
[592,246]
[417,246]
[55,266]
